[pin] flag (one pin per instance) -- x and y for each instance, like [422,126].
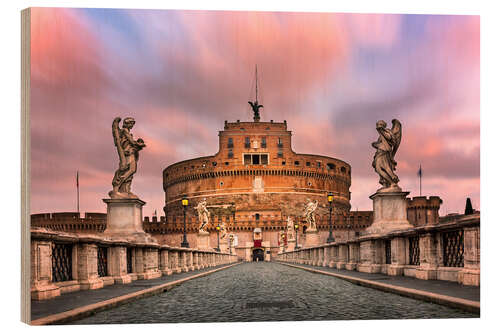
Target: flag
[77,183]
[420,171]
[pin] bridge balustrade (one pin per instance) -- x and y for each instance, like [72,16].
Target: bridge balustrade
[448,251]
[65,262]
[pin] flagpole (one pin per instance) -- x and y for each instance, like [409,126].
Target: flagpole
[77,193]
[420,178]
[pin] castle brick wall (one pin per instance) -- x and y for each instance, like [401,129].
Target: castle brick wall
[240,182]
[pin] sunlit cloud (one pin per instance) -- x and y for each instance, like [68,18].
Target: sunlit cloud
[182,73]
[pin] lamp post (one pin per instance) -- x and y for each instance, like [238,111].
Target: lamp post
[296,226]
[230,240]
[218,229]
[283,242]
[330,238]
[185,203]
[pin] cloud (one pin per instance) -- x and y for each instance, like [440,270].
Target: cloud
[182,73]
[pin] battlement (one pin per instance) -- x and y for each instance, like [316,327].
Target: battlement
[423,211]
[68,216]
[424,202]
[244,221]
[70,222]
[261,126]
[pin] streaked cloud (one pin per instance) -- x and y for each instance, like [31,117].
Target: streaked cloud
[182,73]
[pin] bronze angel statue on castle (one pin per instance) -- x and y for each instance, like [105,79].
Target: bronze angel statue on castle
[383,162]
[128,153]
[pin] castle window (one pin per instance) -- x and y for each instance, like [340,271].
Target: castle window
[283,162]
[230,143]
[308,163]
[342,169]
[280,143]
[214,163]
[247,159]
[296,163]
[280,153]
[226,163]
[330,166]
[257,216]
[230,154]
[255,159]
[318,164]
[263,143]
[221,183]
[247,142]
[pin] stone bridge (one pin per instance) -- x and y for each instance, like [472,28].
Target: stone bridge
[75,276]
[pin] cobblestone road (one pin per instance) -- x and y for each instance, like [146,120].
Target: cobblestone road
[270,292]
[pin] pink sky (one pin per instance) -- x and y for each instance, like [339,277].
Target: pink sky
[180,74]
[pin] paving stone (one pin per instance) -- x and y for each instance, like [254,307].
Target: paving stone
[267,291]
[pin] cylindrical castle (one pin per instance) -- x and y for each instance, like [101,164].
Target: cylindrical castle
[256,177]
[256,172]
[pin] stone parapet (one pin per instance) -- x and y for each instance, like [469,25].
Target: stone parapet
[446,251]
[65,262]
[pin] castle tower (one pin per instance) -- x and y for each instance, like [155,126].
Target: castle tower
[423,211]
[256,180]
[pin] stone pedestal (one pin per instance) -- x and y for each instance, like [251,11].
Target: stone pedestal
[370,256]
[164,262]
[190,260]
[352,265]
[124,220]
[312,238]
[389,212]
[87,267]
[174,260]
[334,254]
[118,265]
[41,271]
[398,256]
[150,265]
[290,246]
[342,257]
[471,273]
[203,240]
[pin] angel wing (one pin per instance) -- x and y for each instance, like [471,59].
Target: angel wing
[115,130]
[396,131]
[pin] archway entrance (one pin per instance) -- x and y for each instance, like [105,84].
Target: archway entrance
[258,254]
